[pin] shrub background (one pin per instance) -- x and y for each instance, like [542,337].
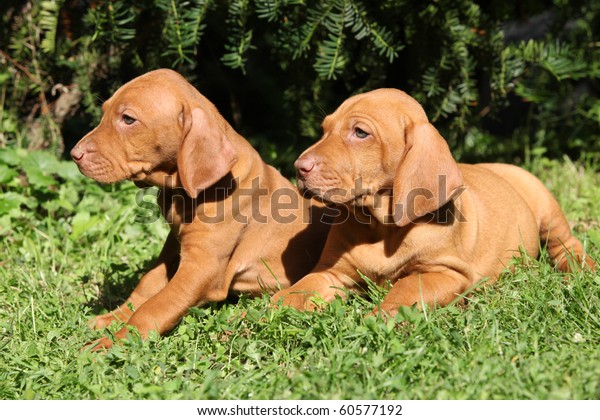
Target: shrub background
[513,81]
[501,80]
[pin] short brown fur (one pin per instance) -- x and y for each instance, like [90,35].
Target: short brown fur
[415,217]
[158,130]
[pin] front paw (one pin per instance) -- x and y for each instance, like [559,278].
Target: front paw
[385,312]
[300,300]
[99,345]
[103,321]
[105,343]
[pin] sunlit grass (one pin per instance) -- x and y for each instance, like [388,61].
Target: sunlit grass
[533,334]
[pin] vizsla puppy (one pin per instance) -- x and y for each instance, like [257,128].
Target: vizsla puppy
[411,215]
[237,225]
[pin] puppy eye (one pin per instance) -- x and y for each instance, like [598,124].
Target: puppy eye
[361,134]
[128,120]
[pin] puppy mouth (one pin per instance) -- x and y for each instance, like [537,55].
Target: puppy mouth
[140,170]
[99,171]
[105,171]
[308,192]
[330,195]
[138,176]
[328,190]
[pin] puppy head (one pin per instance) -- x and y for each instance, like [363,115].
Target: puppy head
[157,125]
[377,141]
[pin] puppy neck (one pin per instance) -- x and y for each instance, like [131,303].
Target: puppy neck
[165,180]
[378,206]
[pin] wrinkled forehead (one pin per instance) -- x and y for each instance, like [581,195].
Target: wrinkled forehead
[379,105]
[141,97]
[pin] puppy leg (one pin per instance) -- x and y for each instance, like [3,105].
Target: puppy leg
[438,288]
[194,284]
[324,285]
[565,250]
[151,283]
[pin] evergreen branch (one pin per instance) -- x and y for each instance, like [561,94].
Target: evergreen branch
[240,39]
[112,22]
[556,58]
[315,19]
[183,27]
[177,30]
[362,27]
[48,23]
[330,60]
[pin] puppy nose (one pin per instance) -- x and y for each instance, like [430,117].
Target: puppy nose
[77,153]
[304,166]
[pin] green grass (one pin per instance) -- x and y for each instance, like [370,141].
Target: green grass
[68,250]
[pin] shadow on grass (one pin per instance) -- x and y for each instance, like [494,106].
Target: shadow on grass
[119,281]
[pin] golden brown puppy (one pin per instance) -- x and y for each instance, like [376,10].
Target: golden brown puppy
[412,215]
[237,225]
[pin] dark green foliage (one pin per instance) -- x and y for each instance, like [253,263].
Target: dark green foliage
[500,81]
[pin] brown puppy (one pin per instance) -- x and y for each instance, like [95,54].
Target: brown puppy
[237,225]
[412,215]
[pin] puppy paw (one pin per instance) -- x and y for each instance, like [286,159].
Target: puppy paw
[387,312]
[299,300]
[100,345]
[102,321]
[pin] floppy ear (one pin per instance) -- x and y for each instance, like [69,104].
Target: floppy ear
[206,154]
[427,177]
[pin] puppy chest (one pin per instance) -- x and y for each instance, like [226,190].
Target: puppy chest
[257,277]
[177,209]
[379,262]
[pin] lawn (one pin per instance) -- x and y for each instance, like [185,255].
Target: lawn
[69,250]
